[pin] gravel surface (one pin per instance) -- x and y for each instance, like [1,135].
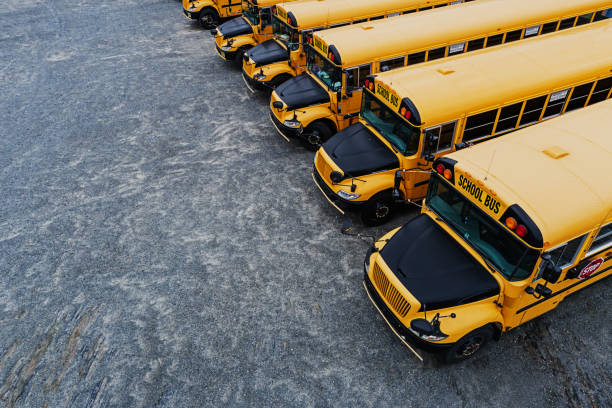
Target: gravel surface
[160,245]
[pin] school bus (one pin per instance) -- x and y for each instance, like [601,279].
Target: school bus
[327,99]
[411,116]
[210,12]
[523,221]
[277,60]
[234,37]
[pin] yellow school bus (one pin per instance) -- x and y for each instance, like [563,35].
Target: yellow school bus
[234,37]
[411,116]
[210,12]
[277,60]
[327,99]
[508,229]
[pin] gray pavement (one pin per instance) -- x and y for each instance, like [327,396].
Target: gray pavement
[160,245]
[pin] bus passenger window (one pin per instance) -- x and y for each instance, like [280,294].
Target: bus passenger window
[531,31]
[339,25]
[555,103]
[495,40]
[567,23]
[446,136]
[440,5]
[508,117]
[479,125]
[513,35]
[377,17]
[549,27]
[425,8]
[533,109]
[436,53]
[601,91]
[363,20]
[455,49]
[603,14]
[352,78]
[416,58]
[579,97]
[584,19]
[393,14]
[409,11]
[475,44]
[391,64]
[602,240]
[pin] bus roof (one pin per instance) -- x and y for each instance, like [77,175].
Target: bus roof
[382,39]
[557,171]
[318,13]
[465,84]
[268,3]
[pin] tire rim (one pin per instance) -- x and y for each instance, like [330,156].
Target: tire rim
[471,347]
[208,19]
[382,211]
[314,139]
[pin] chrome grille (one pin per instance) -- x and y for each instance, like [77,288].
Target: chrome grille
[399,304]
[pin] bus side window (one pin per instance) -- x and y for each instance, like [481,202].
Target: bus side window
[455,49]
[360,74]
[549,27]
[508,117]
[444,135]
[416,58]
[377,17]
[555,104]
[352,78]
[564,255]
[440,5]
[567,23]
[409,11]
[531,31]
[339,25]
[480,125]
[425,8]
[602,15]
[495,40]
[391,64]
[602,241]
[363,20]
[533,109]
[601,91]
[436,53]
[584,19]
[513,36]
[579,96]
[475,44]
[393,14]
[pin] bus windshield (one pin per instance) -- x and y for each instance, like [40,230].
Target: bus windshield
[401,134]
[323,69]
[287,35]
[513,259]
[250,11]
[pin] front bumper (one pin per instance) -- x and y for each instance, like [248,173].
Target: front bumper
[286,132]
[339,203]
[252,84]
[397,327]
[191,15]
[226,55]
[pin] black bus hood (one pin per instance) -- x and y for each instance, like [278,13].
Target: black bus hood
[268,52]
[357,151]
[435,268]
[235,27]
[301,91]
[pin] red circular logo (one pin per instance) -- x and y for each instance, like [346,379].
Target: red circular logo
[590,268]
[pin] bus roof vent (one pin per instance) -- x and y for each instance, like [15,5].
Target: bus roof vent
[446,71]
[367,27]
[555,152]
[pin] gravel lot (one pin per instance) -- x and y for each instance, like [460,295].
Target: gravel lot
[160,245]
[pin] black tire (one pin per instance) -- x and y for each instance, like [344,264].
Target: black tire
[469,345]
[316,134]
[378,210]
[208,18]
[239,57]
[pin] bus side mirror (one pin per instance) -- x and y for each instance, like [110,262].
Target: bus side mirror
[422,327]
[551,272]
[277,105]
[431,142]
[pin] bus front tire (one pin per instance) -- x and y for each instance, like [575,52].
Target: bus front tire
[378,210]
[208,18]
[239,57]
[317,133]
[469,345]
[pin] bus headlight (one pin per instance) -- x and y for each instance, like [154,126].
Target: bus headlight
[348,196]
[259,76]
[429,337]
[292,123]
[227,48]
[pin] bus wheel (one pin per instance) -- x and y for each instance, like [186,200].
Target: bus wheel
[378,210]
[469,345]
[316,134]
[208,18]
